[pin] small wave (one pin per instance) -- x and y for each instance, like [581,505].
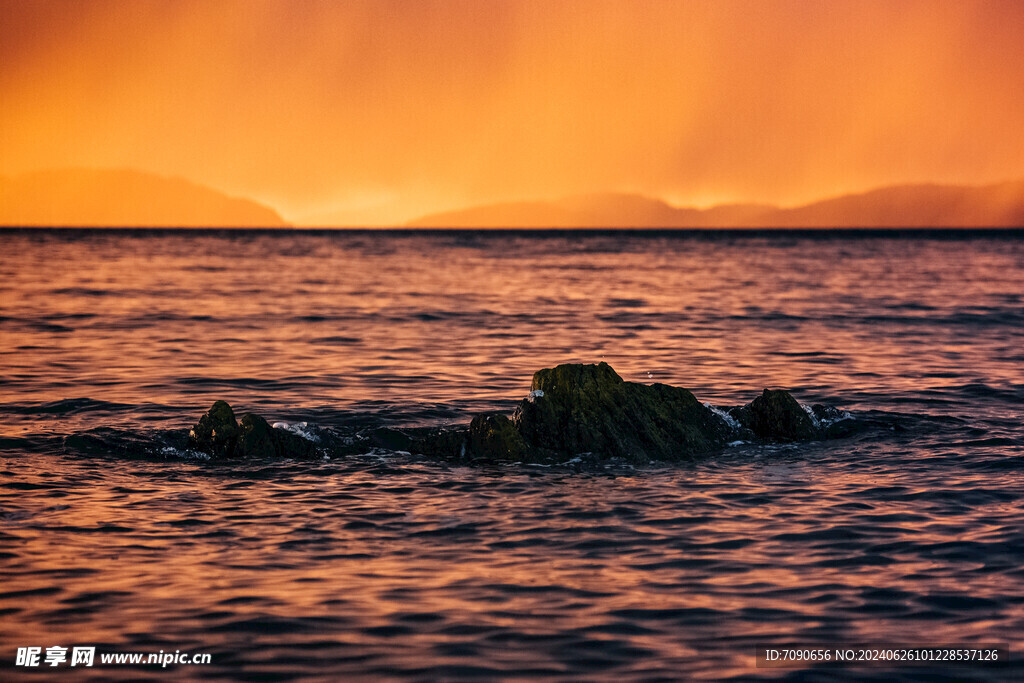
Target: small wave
[299,429]
[67,406]
[825,416]
[810,414]
[1013,393]
[183,453]
[340,340]
[50,327]
[627,303]
[732,422]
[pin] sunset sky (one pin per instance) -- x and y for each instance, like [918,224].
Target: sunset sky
[376,112]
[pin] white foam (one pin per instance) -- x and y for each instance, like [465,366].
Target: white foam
[832,420]
[810,414]
[172,452]
[729,419]
[299,429]
[820,422]
[378,453]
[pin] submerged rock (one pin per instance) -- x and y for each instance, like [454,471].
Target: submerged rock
[257,438]
[260,440]
[494,437]
[220,436]
[390,439]
[444,443]
[290,445]
[776,415]
[833,423]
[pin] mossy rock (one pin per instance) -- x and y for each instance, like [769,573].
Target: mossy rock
[219,435]
[494,437]
[572,410]
[217,432]
[575,409]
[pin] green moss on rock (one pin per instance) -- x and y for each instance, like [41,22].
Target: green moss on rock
[217,432]
[219,435]
[494,437]
[575,409]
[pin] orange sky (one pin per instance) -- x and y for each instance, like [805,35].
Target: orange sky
[375,112]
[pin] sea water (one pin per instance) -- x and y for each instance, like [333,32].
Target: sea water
[389,565]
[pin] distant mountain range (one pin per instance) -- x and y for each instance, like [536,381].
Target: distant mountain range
[899,206]
[123,198]
[128,198]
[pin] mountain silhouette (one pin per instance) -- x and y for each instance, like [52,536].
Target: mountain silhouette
[925,205]
[123,198]
[129,198]
[598,210]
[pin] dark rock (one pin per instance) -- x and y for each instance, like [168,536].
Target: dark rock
[494,437]
[825,413]
[743,415]
[258,438]
[834,423]
[575,409]
[776,415]
[220,436]
[446,444]
[390,439]
[216,433]
[290,445]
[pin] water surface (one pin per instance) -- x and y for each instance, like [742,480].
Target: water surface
[388,565]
